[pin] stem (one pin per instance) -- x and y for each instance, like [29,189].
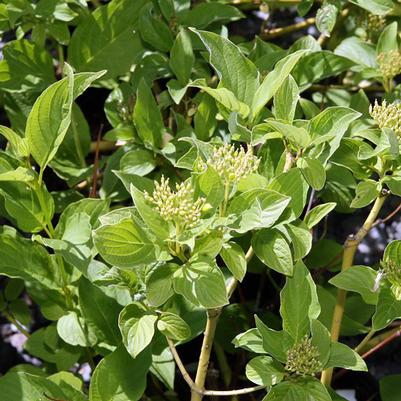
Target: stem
[195,388]
[382,343]
[203,364]
[366,339]
[16,323]
[350,248]
[274,33]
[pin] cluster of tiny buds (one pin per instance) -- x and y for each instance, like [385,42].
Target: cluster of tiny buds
[387,115]
[178,206]
[231,164]
[373,25]
[392,272]
[389,63]
[303,358]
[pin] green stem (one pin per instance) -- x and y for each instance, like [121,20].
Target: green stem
[350,248]
[15,322]
[365,341]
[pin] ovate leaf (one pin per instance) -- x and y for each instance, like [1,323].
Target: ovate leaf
[50,116]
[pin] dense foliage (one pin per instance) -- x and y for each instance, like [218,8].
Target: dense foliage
[192,185]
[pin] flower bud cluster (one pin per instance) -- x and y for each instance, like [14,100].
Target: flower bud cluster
[389,63]
[178,206]
[373,25]
[387,115]
[233,164]
[303,358]
[392,272]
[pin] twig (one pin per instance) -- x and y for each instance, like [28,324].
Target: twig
[16,323]
[350,248]
[388,217]
[382,344]
[181,366]
[373,350]
[366,339]
[240,391]
[198,390]
[274,33]
[96,165]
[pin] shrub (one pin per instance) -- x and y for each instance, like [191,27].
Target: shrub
[207,191]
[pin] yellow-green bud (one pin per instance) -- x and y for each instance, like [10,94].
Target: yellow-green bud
[178,206]
[303,358]
[233,164]
[387,115]
[389,63]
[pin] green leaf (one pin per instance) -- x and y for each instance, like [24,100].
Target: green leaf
[360,279]
[299,303]
[209,285]
[286,99]
[389,388]
[26,67]
[202,15]
[366,192]
[392,253]
[27,387]
[110,41]
[250,340]
[224,96]
[100,312]
[147,117]
[18,144]
[124,244]
[303,389]
[257,208]
[50,117]
[388,39]
[387,310]
[138,161]
[321,340]
[34,263]
[275,343]
[326,18]
[297,136]
[342,356]
[154,30]
[236,72]
[263,370]
[120,377]
[313,171]
[172,326]
[182,57]
[159,284]
[137,327]
[273,81]
[163,367]
[201,283]
[301,239]
[273,250]
[315,215]
[377,7]
[209,186]
[317,66]
[149,215]
[294,185]
[71,329]
[234,258]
